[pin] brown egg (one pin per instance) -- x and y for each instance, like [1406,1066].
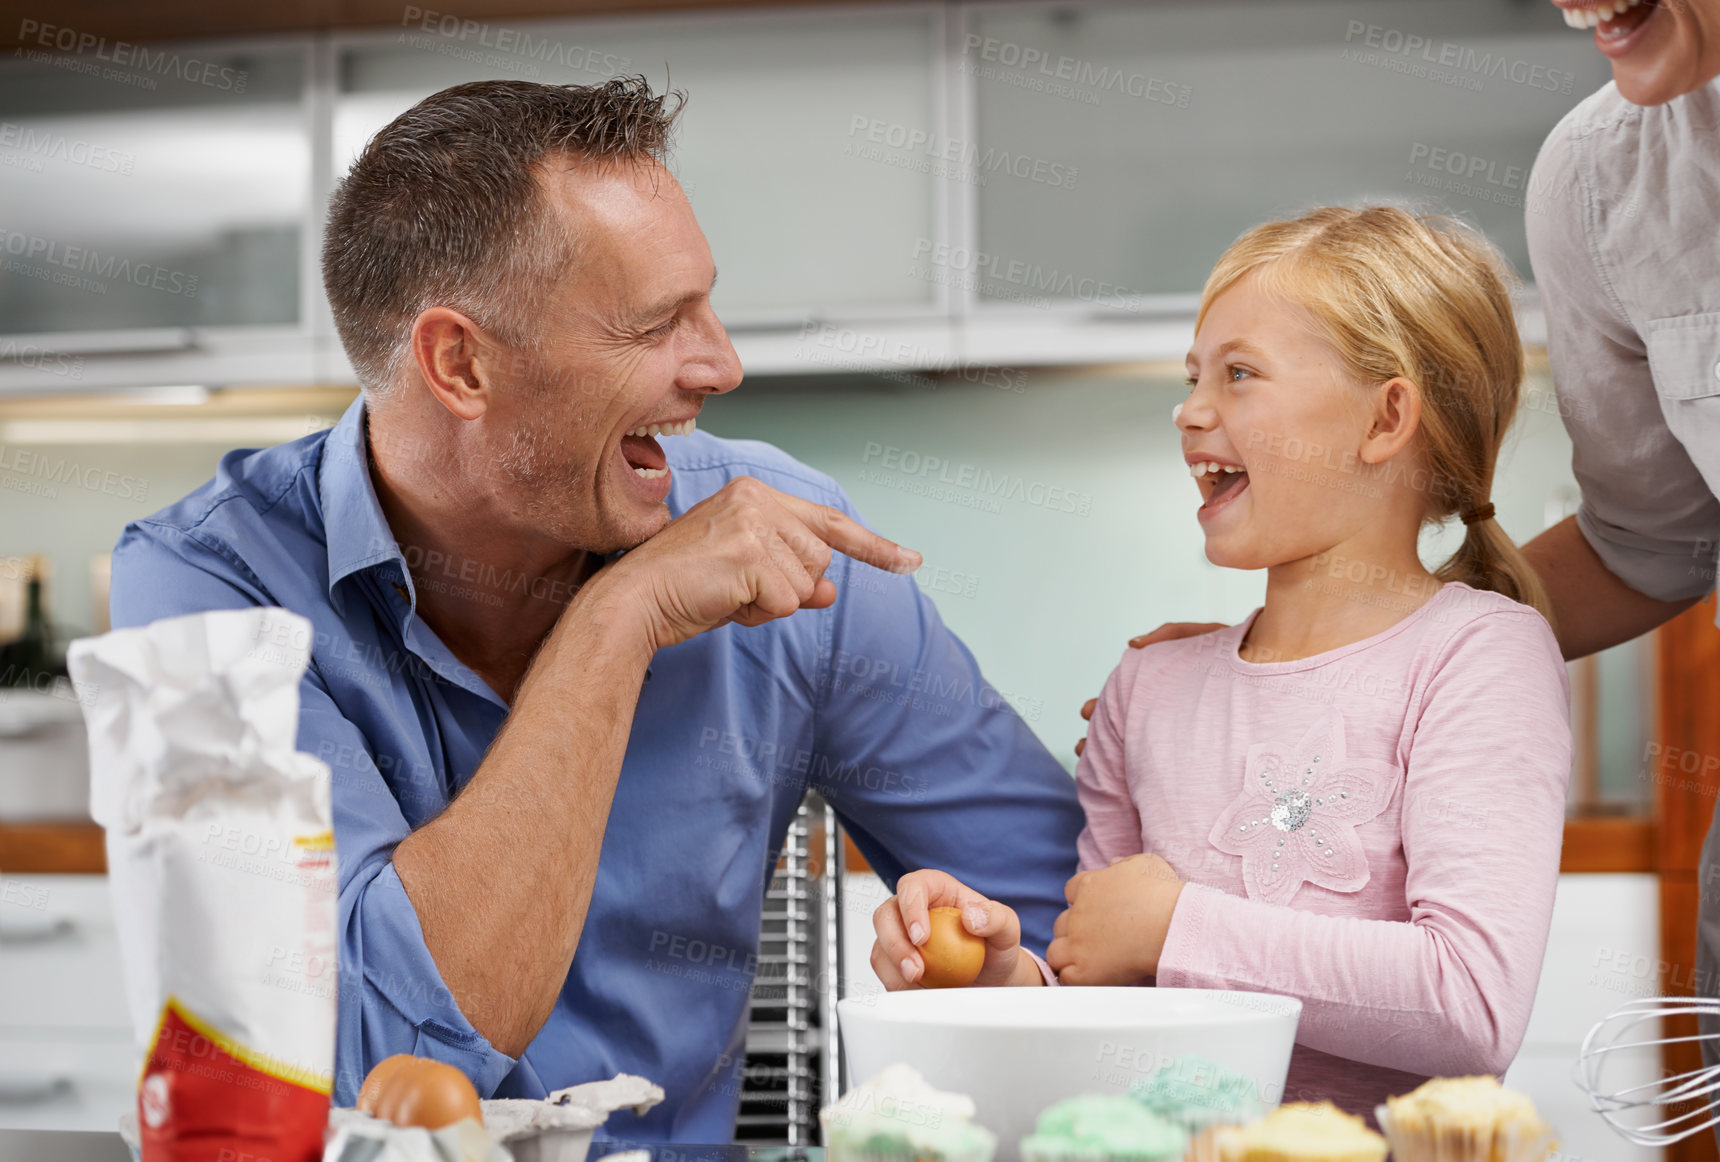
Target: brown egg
[953,955]
[378,1077]
[416,1091]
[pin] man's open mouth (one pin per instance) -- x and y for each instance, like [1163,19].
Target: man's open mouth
[642,452]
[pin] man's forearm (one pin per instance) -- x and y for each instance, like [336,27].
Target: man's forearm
[1592,609]
[502,879]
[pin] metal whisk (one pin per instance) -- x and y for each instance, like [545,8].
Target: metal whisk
[1614,1035]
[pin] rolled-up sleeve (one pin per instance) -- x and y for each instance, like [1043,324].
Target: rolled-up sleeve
[401,1004]
[392,996]
[927,763]
[392,999]
[1646,508]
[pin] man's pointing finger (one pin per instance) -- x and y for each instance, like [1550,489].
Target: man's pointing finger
[847,535]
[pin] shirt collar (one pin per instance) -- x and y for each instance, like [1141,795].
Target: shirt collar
[359,539]
[357,532]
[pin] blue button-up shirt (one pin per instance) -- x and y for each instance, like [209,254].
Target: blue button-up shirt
[872,702]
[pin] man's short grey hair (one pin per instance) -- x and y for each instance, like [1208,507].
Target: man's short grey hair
[445,208]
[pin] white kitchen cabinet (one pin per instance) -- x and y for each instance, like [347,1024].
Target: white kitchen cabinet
[892,188]
[794,144]
[167,189]
[66,1083]
[157,201]
[44,757]
[67,1059]
[1189,122]
[59,955]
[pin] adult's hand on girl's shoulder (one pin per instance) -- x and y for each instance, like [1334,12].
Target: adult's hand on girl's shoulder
[903,924]
[1170,631]
[1115,926]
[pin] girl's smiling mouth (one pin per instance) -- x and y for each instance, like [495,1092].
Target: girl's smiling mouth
[1220,481]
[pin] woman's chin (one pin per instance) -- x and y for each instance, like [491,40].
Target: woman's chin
[1662,68]
[1648,85]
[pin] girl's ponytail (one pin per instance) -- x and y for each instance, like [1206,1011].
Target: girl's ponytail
[1488,559]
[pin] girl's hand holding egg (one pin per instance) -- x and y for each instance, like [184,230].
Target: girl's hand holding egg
[936,932]
[953,956]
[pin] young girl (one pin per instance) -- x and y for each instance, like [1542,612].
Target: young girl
[1356,796]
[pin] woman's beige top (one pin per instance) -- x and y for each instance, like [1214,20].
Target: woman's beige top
[1624,234]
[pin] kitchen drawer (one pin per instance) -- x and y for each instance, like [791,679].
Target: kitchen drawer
[59,956]
[66,1083]
[44,756]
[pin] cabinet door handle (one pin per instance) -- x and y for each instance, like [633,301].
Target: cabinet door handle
[775,326]
[28,1090]
[44,931]
[137,341]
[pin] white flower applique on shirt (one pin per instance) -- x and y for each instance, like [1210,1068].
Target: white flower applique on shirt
[1296,818]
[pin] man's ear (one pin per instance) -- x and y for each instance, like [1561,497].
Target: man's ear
[1396,415]
[449,350]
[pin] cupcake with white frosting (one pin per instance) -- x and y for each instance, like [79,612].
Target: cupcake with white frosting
[898,1117]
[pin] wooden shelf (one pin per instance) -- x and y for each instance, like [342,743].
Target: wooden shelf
[198,19]
[1609,845]
[72,847]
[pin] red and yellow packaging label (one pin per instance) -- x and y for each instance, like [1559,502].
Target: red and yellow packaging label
[203,1097]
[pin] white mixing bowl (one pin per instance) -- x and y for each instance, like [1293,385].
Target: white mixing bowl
[1017,1050]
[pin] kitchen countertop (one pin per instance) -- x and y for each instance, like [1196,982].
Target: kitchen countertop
[82,1146]
[62,1146]
[685,1152]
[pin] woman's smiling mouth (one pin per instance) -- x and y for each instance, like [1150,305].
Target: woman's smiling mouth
[1617,24]
[1584,16]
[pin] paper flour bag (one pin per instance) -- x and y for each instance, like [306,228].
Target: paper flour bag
[221,864]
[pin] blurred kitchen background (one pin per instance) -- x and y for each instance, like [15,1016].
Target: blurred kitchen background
[952,236]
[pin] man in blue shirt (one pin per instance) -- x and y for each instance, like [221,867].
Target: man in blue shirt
[573,683]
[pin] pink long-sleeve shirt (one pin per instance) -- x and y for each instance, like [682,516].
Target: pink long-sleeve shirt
[1375,830]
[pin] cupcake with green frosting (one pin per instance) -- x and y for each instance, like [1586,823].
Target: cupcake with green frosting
[898,1117]
[1200,1096]
[1102,1128]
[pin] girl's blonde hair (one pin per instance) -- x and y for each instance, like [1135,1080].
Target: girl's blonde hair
[1422,299]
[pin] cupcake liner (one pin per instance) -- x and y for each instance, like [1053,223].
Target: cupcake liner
[1239,1154]
[839,1154]
[1512,1142]
[1067,1154]
[1203,1144]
